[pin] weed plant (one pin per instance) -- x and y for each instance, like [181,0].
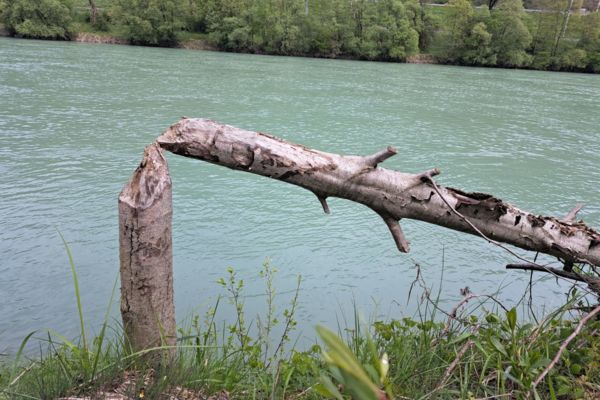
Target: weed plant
[478,350]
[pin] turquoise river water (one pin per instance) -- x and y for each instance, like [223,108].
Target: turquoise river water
[74,119]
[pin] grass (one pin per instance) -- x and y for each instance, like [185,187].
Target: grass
[477,350]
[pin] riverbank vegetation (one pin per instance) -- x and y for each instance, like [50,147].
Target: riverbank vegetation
[477,349]
[547,35]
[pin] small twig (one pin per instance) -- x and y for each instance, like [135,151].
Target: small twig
[530,302]
[425,176]
[380,156]
[462,217]
[593,284]
[454,363]
[394,226]
[323,201]
[288,323]
[459,305]
[301,394]
[570,217]
[564,345]
[26,370]
[412,285]
[421,283]
[555,271]
[478,231]
[452,316]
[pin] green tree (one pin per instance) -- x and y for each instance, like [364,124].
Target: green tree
[510,36]
[477,49]
[42,19]
[545,29]
[389,33]
[590,41]
[151,22]
[458,25]
[330,27]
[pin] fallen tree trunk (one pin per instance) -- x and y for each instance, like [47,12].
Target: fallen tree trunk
[391,194]
[146,255]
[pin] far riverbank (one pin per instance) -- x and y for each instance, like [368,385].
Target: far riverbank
[199,44]
[508,36]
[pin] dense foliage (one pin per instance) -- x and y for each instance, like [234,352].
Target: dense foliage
[540,34]
[48,19]
[151,22]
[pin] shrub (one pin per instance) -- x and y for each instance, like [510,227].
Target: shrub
[40,19]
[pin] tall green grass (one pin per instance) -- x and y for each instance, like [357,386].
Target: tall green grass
[478,350]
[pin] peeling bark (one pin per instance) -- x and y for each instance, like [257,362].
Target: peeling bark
[146,257]
[391,194]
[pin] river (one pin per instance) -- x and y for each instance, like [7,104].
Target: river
[74,119]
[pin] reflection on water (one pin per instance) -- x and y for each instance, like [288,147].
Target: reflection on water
[75,118]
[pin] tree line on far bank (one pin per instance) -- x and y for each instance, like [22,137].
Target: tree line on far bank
[558,35]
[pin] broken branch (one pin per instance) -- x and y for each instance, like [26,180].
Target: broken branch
[323,201]
[570,217]
[380,156]
[396,231]
[391,193]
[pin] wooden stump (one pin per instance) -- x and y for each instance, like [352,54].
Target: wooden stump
[146,255]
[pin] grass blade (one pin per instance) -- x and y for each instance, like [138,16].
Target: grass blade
[77,292]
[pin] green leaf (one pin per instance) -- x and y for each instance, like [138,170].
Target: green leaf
[326,388]
[461,338]
[498,346]
[340,356]
[511,317]
[492,318]
[77,292]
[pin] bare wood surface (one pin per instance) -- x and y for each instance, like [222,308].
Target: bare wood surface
[146,256]
[391,194]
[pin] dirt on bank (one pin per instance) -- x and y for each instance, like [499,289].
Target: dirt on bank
[195,44]
[87,37]
[421,59]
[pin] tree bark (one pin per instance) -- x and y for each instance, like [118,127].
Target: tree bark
[391,194]
[564,26]
[146,257]
[93,12]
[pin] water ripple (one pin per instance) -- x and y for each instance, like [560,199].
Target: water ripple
[75,118]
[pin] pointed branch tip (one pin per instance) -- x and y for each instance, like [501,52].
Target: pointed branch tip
[396,231]
[570,217]
[380,156]
[427,175]
[323,201]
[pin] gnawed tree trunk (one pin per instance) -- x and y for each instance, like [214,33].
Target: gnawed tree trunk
[391,194]
[146,256]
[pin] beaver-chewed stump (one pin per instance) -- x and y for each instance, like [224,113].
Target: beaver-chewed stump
[146,255]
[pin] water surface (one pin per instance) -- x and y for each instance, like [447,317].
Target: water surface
[74,119]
